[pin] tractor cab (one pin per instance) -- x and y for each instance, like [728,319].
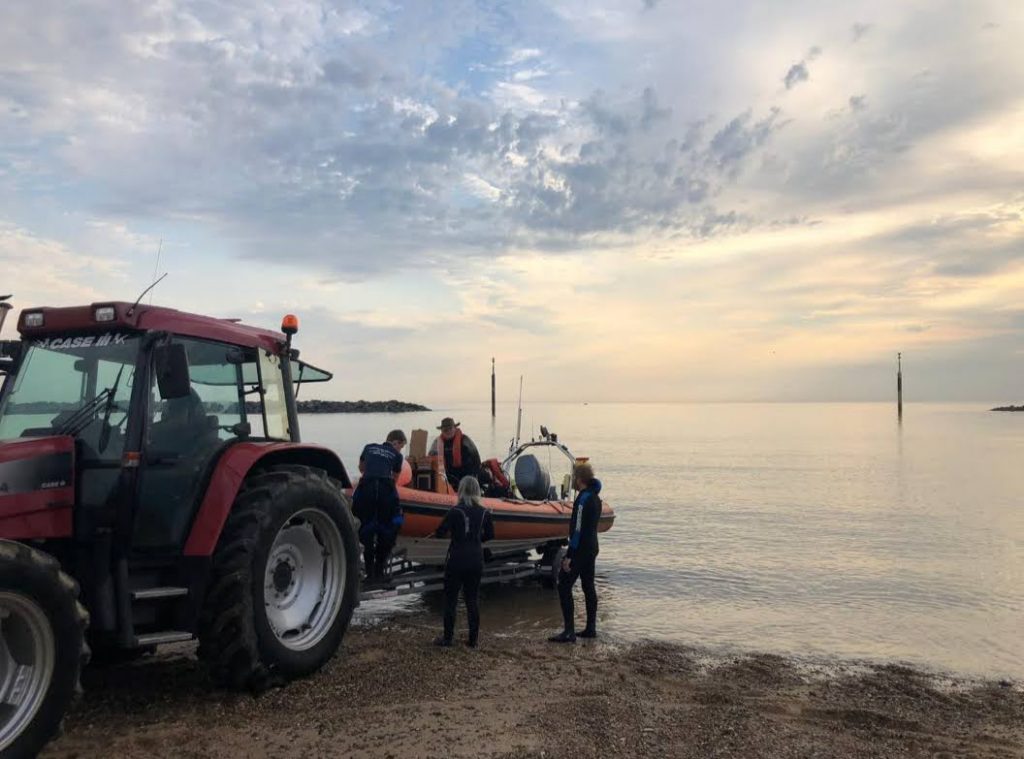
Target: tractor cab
[103,385]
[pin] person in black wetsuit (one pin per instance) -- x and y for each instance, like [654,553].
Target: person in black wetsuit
[375,501]
[461,457]
[470,526]
[581,556]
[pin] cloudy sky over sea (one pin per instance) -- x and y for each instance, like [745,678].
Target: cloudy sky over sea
[624,200]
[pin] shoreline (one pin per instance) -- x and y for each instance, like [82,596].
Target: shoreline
[390,693]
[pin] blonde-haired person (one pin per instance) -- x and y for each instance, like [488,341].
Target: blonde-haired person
[470,526]
[581,557]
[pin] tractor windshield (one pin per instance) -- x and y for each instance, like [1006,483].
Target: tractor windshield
[76,385]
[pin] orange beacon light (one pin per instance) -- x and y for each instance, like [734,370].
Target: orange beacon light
[290,324]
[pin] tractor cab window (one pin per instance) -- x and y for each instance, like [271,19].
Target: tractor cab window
[275,406]
[236,392]
[78,385]
[210,414]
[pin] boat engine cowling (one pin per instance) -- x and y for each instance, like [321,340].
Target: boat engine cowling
[532,478]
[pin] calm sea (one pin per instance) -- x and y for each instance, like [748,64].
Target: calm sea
[803,529]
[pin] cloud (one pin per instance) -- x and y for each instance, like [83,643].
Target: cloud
[49,272]
[738,139]
[797,73]
[273,131]
[521,55]
[860,30]
[460,169]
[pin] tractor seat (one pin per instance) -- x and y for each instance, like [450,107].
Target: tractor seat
[184,428]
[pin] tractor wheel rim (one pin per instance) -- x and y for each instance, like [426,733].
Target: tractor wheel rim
[27,658]
[304,580]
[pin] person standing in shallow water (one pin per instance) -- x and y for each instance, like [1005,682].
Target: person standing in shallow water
[581,557]
[470,526]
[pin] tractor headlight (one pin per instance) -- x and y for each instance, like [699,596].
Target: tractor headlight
[105,314]
[34,319]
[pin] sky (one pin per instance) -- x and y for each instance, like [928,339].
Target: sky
[621,200]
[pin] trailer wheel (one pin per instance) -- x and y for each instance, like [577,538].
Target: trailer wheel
[42,648]
[284,582]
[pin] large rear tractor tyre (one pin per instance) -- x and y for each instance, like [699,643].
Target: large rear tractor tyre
[284,581]
[42,648]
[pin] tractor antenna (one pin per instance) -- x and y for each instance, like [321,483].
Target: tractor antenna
[143,294]
[156,266]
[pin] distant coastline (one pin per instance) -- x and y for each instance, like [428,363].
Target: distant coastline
[213,407]
[358,407]
[1008,408]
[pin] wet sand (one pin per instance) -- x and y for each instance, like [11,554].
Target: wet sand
[389,693]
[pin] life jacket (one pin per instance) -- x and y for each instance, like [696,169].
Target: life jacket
[492,466]
[457,449]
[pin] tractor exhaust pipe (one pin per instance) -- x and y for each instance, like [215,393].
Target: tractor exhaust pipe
[4,308]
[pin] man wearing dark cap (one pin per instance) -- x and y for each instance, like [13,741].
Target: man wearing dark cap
[461,458]
[375,501]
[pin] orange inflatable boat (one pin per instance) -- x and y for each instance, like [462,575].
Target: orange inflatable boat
[535,517]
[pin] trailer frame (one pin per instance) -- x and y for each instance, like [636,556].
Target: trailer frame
[405,577]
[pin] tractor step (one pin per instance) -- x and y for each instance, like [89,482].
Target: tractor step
[168,636]
[148,594]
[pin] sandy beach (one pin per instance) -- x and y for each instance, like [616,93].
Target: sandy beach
[389,693]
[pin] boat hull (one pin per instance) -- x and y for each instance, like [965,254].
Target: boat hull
[519,526]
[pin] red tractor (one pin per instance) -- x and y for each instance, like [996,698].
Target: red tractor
[154,489]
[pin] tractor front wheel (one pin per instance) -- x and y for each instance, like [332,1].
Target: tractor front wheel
[42,648]
[285,580]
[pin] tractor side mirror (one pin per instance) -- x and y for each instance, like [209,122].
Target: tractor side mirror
[170,361]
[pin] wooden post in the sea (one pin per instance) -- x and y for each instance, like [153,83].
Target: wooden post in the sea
[899,386]
[493,408]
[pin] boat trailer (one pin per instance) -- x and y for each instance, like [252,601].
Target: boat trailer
[406,577]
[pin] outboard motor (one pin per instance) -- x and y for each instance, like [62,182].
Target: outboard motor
[532,479]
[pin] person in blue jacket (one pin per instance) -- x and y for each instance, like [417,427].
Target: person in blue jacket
[581,555]
[375,502]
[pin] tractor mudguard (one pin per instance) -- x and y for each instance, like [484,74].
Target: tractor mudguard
[37,488]
[230,472]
